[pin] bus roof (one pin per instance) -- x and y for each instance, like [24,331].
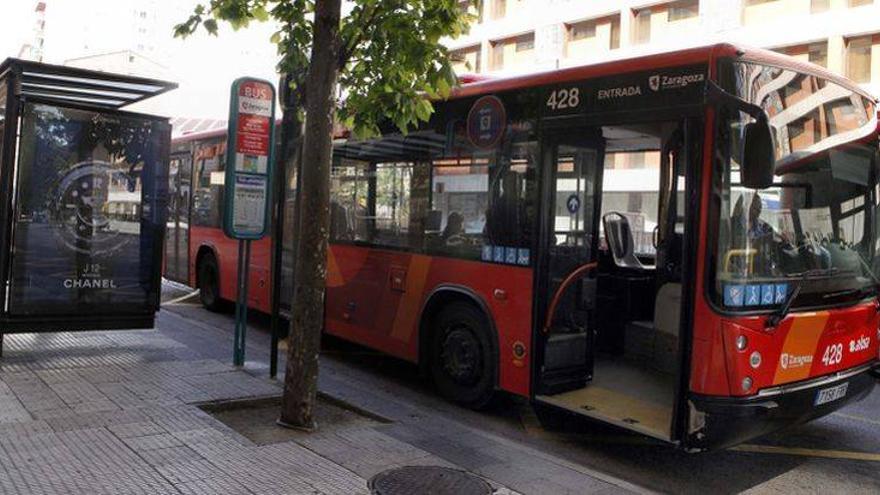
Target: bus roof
[473,85]
[704,54]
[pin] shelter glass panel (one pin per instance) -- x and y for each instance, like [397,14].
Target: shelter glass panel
[91,205]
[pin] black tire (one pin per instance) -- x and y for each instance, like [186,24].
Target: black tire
[463,358]
[209,284]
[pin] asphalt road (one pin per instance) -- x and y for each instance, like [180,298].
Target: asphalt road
[836,454]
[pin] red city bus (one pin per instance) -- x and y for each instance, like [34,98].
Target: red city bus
[197,253]
[684,245]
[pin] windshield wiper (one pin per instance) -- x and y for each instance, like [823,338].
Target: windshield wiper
[776,317]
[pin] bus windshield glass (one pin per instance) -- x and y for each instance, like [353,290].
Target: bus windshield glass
[816,228]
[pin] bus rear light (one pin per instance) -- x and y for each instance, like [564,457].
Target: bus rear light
[755,359]
[742,342]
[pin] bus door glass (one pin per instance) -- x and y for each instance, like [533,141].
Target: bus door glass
[574,160]
[177,235]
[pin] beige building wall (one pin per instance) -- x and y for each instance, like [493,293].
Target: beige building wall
[783,25]
[771,11]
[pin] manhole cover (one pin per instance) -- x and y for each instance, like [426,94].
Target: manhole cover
[427,480]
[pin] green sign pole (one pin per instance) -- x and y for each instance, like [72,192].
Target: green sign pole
[244,255]
[248,183]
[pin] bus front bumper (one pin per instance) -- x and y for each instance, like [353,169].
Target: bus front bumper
[719,422]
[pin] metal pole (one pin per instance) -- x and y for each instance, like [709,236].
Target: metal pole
[287,129]
[244,252]
[237,304]
[291,137]
[244,299]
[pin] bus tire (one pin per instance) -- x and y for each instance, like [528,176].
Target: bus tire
[462,355]
[209,284]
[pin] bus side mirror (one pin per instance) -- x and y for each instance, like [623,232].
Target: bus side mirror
[758,155]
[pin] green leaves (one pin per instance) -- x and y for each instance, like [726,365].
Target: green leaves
[391,63]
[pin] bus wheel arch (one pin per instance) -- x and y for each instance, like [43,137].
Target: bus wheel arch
[208,279]
[474,333]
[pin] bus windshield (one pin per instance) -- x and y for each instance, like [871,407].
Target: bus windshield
[816,228]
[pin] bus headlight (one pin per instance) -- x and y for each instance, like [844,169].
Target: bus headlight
[742,342]
[747,384]
[755,359]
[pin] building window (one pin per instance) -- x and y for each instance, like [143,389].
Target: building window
[497,55]
[499,9]
[615,33]
[859,3]
[818,6]
[684,9]
[581,30]
[466,59]
[818,54]
[594,29]
[525,42]
[858,59]
[642,26]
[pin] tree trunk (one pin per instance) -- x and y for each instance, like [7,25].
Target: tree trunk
[301,378]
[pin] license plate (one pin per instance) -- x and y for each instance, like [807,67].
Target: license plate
[831,394]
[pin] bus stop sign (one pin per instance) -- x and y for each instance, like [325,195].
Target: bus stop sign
[249,156]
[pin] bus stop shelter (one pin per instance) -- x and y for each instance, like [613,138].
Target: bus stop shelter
[83,199]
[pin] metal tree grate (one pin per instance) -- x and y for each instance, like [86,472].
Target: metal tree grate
[427,480]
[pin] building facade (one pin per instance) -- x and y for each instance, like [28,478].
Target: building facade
[519,36]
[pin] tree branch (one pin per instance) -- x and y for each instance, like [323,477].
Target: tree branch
[349,46]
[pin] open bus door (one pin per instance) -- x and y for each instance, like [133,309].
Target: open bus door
[177,231]
[572,170]
[609,329]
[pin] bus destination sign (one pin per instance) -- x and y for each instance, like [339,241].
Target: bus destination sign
[249,158]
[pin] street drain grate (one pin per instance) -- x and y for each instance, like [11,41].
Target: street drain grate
[424,480]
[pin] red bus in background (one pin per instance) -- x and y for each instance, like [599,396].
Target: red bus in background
[197,253]
[685,245]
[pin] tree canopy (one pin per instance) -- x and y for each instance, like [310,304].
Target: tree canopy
[385,56]
[390,55]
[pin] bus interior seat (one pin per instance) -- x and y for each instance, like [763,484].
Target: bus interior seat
[667,322]
[434,222]
[340,227]
[655,343]
[620,241]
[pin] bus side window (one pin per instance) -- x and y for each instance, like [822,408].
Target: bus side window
[350,217]
[459,201]
[484,197]
[208,185]
[393,186]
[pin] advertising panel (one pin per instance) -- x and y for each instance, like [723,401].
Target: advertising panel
[91,202]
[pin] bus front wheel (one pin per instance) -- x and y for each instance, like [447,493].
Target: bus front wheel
[209,283]
[463,360]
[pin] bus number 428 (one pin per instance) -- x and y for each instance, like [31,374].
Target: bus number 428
[561,99]
[833,355]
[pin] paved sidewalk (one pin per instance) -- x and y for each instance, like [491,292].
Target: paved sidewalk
[116,412]
[113,412]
